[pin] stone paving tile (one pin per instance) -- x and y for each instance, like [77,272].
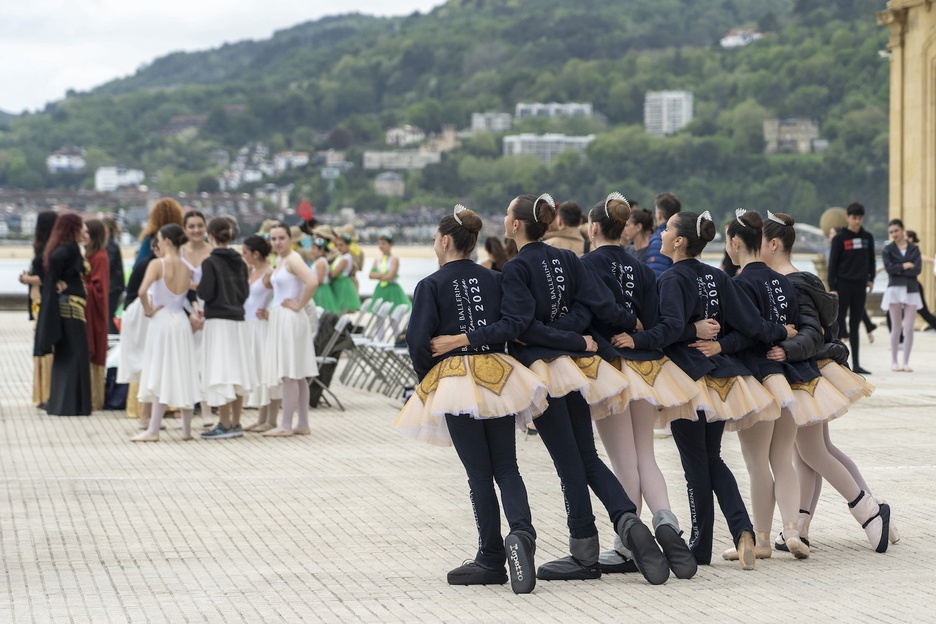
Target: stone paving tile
[358,524]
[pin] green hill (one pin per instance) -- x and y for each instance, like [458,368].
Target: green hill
[342,81]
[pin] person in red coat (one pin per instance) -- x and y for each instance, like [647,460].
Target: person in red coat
[97,282]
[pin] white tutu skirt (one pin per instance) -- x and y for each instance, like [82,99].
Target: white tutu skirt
[258,330]
[489,385]
[899,294]
[597,380]
[741,401]
[289,350]
[227,363]
[133,327]
[846,381]
[168,373]
[659,382]
[817,401]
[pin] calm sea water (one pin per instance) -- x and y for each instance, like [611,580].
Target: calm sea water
[411,271]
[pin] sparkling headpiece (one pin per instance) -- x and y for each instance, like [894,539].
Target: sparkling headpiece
[740,213]
[546,197]
[698,224]
[775,218]
[612,196]
[458,209]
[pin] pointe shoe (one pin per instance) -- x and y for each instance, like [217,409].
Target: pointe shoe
[794,544]
[145,437]
[874,518]
[892,535]
[302,431]
[746,551]
[761,549]
[277,433]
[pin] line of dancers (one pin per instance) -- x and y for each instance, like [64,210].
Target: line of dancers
[565,342]
[217,327]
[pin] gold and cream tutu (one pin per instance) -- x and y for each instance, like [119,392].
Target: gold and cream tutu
[817,401]
[849,383]
[488,385]
[659,382]
[597,380]
[741,401]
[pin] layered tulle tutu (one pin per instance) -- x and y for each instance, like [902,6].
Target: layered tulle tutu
[227,363]
[257,331]
[324,298]
[168,373]
[741,401]
[346,293]
[849,383]
[817,401]
[289,351]
[594,378]
[133,328]
[659,382]
[389,291]
[489,385]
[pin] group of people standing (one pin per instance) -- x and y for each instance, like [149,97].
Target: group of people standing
[71,298]
[565,342]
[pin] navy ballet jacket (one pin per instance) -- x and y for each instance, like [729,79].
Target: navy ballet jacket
[549,299]
[460,297]
[690,291]
[775,297]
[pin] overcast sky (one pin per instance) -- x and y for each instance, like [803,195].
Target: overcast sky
[50,46]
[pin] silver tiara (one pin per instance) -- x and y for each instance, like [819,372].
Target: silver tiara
[740,213]
[775,218]
[458,209]
[698,224]
[611,196]
[546,197]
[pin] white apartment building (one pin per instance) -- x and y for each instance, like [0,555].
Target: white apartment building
[67,160]
[491,122]
[283,161]
[404,135]
[545,146]
[553,109]
[401,159]
[108,179]
[665,112]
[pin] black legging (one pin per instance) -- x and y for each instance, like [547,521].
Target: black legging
[488,451]
[566,430]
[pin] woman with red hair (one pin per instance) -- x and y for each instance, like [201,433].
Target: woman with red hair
[62,329]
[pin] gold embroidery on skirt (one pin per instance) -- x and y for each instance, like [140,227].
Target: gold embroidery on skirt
[808,386]
[487,370]
[649,369]
[722,386]
[823,363]
[73,308]
[589,365]
[490,372]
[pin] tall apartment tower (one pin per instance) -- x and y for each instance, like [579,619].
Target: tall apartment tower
[665,112]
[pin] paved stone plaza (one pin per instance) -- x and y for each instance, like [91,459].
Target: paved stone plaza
[357,524]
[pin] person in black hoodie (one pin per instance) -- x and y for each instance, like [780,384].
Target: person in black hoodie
[541,288]
[227,364]
[816,457]
[851,276]
[472,398]
[694,291]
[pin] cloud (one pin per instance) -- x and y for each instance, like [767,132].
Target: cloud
[50,46]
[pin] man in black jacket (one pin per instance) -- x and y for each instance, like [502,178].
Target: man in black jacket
[851,275]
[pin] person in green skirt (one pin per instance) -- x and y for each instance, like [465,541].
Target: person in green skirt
[324,296]
[345,293]
[385,269]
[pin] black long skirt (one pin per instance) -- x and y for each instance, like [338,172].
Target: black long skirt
[70,394]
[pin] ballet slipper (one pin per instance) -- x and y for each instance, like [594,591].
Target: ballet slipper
[874,518]
[761,549]
[145,437]
[256,426]
[746,551]
[262,427]
[277,433]
[187,436]
[793,542]
[302,431]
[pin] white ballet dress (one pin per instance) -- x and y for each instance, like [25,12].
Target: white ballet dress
[228,367]
[133,327]
[168,374]
[289,351]
[258,329]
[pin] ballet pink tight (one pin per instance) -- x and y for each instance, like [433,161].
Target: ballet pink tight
[295,400]
[768,453]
